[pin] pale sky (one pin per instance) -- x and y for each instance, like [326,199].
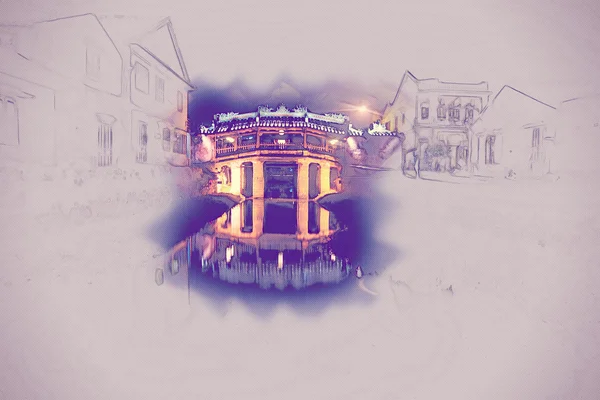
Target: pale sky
[550,49]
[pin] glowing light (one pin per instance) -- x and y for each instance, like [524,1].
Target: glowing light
[281,131]
[280,260]
[362,108]
[334,141]
[280,141]
[333,258]
[230,139]
[228,254]
[352,143]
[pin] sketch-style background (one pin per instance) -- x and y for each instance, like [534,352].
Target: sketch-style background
[494,295]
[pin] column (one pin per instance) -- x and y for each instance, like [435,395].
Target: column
[236,178]
[236,220]
[258,178]
[325,178]
[453,150]
[258,216]
[303,218]
[303,179]
[324,222]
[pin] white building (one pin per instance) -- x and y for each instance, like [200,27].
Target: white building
[81,90]
[433,114]
[514,136]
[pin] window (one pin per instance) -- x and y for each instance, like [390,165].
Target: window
[141,78]
[92,62]
[489,150]
[454,114]
[424,112]
[388,126]
[179,101]
[441,111]
[166,139]
[159,93]
[9,122]
[179,146]
[314,140]
[536,144]
[142,154]
[469,114]
[536,138]
[105,144]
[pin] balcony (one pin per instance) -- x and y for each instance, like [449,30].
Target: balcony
[225,148]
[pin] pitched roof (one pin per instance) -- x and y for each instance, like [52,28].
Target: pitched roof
[407,75]
[513,107]
[150,36]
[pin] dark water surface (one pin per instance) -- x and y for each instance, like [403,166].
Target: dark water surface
[265,252]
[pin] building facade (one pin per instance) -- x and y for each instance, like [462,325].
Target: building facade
[434,118]
[514,136]
[293,154]
[76,93]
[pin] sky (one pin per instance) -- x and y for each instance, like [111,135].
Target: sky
[549,49]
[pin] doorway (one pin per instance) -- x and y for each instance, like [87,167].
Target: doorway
[281,180]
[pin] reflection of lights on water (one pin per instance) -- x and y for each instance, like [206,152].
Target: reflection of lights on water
[359,272]
[280,260]
[159,276]
[229,251]
[174,267]
[332,257]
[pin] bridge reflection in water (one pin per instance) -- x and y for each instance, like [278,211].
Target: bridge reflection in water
[268,244]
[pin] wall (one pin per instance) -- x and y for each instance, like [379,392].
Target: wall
[36,122]
[61,46]
[158,114]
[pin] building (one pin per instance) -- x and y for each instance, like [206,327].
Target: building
[514,136]
[81,90]
[281,153]
[434,118]
[157,85]
[272,243]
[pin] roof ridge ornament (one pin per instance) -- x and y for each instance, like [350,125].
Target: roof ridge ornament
[225,117]
[378,128]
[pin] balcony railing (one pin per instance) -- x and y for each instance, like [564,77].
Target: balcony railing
[231,149]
